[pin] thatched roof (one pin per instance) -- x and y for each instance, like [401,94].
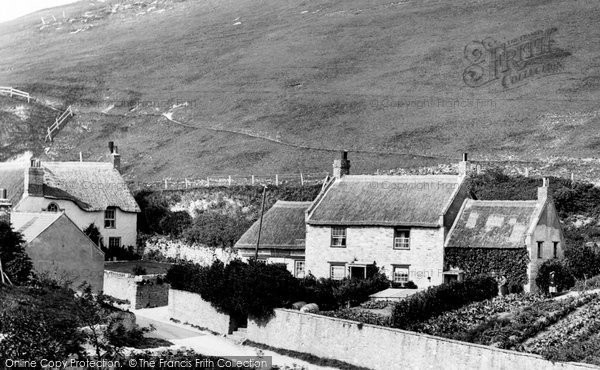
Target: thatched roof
[32,224]
[11,179]
[283,228]
[493,224]
[93,186]
[385,200]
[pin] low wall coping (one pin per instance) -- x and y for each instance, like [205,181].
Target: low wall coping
[428,336]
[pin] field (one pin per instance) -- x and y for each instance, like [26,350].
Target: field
[192,88]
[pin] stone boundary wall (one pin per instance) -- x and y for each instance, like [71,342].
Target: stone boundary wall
[192,309]
[142,291]
[383,348]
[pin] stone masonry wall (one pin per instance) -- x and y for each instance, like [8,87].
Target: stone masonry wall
[385,348]
[141,291]
[425,256]
[192,309]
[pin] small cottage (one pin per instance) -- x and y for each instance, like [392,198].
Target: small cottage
[509,239]
[58,248]
[282,237]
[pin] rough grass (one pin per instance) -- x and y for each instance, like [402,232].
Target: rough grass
[354,74]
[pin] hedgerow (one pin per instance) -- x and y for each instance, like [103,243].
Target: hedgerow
[438,299]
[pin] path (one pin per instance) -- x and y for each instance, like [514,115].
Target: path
[206,343]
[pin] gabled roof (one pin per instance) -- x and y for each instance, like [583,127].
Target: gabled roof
[93,186]
[283,227]
[494,223]
[385,200]
[32,224]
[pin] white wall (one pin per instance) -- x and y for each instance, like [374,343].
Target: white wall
[425,256]
[377,347]
[126,222]
[547,230]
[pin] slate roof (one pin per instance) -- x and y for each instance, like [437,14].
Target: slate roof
[283,228]
[493,224]
[385,200]
[32,224]
[93,186]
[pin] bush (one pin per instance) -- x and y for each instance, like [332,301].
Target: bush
[238,289]
[15,262]
[175,223]
[217,230]
[562,276]
[125,253]
[93,233]
[355,291]
[139,270]
[438,299]
[592,283]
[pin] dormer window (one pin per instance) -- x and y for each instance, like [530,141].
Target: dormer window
[110,218]
[401,239]
[52,207]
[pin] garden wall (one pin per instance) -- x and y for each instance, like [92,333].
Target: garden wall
[192,309]
[142,291]
[385,348]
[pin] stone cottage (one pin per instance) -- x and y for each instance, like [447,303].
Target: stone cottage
[87,192]
[486,227]
[58,248]
[395,223]
[282,237]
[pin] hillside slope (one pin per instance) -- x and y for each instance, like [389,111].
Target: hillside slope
[378,76]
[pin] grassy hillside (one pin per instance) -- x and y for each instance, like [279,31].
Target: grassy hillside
[264,80]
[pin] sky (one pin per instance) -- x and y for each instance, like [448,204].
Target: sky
[11,9]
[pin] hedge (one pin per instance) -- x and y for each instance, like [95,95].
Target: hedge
[438,299]
[255,288]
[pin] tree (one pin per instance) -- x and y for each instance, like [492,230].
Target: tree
[217,230]
[15,262]
[94,234]
[562,276]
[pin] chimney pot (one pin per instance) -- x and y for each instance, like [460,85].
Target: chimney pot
[463,166]
[116,158]
[111,145]
[543,191]
[341,166]
[3,194]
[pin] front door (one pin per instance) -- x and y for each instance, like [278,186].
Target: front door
[358,272]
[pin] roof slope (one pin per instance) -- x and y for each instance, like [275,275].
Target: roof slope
[12,179]
[385,200]
[493,224]
[283,227]
[93,186]
[32,224]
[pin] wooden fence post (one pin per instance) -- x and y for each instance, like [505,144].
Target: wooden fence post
[208,182]
[252,179]
[301,179]
[186,183]
[165,184]
[276,180]
[229,181]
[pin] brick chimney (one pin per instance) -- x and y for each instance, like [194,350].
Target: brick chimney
[116,157]
[543,191]
[341,166]
[5,206]
[34,179]
[463,166]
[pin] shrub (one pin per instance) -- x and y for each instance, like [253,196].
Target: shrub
[238,289]
[355,291]
[93,233]
[592,283]
[174,223]
[562,276]
[217,230]
[441,298]
[15,262]
[139,270]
